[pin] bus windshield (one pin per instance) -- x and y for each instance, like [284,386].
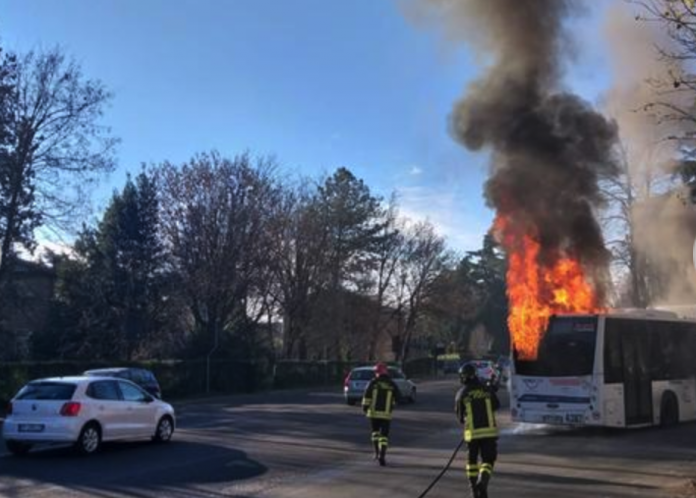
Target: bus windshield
[566,350]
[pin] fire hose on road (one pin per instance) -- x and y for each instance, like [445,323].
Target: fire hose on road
[442,472]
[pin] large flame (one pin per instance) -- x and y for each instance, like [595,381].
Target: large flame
[537,291]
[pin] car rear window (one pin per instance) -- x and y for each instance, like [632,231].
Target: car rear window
[362,375]
[122,374]
[58,391]
[396,374]
[149,376]
[100,373]
[143,377]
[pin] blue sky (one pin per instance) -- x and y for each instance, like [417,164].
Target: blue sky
[317,83]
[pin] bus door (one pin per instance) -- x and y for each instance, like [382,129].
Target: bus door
[635,346]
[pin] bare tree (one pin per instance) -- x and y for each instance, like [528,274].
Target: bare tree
[673,103]
[300,263]
[56,148]
[425,258]
[625,192]
[215,221]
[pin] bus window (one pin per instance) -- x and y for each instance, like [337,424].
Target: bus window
[688,348]
[681,352]
[662,353]
[613,353]
[567,349]
[627,349]
[672,348]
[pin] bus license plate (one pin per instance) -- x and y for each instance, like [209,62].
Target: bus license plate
[574,418]
[31,427]
[552,419]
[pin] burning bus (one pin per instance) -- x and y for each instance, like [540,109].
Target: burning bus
[576,362]
[613,369]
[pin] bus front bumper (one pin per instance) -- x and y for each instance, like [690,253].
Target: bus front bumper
[532,416]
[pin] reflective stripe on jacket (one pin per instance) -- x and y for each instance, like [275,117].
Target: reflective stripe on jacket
[475,406]
[379,398]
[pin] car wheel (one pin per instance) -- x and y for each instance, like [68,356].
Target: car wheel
[18,448]
[89,440]
[165,429]
[412,397]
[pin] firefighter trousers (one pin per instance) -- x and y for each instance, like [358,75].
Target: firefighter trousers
[479,467]
[380,436]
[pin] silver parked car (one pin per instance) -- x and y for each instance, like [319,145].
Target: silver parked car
[84,411]
[358,379]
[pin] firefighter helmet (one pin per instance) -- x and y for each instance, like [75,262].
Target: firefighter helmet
[381,369]
[467,372]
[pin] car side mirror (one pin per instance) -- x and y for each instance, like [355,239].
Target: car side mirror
[148,399]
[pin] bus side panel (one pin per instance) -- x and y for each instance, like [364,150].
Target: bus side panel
[613,412]
[688,400]
[627,362]
[673,368]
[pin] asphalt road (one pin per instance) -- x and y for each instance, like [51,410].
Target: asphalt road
[311,445]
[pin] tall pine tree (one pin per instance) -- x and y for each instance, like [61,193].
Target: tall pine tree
[112,295]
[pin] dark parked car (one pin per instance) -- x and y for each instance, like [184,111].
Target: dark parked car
[450,366]
[487,371]
[144,378]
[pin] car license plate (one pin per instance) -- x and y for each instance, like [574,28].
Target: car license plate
[574,418]
[552,419]
[31,427]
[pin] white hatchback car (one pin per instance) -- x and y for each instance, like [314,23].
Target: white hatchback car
[358,379]
[84,411]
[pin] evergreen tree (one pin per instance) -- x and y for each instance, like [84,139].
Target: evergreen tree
[110,297]
[351,216]
[485,270]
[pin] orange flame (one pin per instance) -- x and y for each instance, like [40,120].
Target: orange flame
[536,291]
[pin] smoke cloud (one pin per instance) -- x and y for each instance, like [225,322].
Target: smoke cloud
[548,147]
[638,73]
[665,229]
[662,220]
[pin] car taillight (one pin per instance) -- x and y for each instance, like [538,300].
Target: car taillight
[9,408]
[70,409]
[346,381]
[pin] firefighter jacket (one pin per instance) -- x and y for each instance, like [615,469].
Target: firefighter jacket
[475,405]
[379,398]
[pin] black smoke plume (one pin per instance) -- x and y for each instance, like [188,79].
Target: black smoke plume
[549,147]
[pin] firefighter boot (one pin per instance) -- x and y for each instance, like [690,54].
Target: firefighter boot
[482,485]
[382,456]
[376,446]
[473,481]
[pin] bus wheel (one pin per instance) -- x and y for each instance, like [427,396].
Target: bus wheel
[669,411]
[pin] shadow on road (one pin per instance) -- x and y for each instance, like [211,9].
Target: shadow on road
[570,480]
[674,443]
[179,468]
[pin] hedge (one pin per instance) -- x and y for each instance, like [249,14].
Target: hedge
[187,378]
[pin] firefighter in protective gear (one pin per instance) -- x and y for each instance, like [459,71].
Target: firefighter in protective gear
[475,406]
[378,404]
